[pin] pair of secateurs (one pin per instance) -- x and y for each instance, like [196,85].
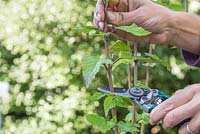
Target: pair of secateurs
[146,99]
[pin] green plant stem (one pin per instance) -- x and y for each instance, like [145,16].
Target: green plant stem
[135,81]
[147,84]
[186,3]
[129,70]
[110,80]
[135,64]
[142,128]
[148,69]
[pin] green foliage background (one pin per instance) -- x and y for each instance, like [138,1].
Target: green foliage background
[41,56]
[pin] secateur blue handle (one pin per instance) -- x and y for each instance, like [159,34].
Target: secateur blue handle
[163,97]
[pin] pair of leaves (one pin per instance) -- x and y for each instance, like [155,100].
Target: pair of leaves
[103,125]
[113,101]
[91,66]
[100,122]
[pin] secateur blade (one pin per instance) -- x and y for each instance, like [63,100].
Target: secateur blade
[146,99]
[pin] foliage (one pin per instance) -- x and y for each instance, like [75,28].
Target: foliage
[135,30]
[91,66]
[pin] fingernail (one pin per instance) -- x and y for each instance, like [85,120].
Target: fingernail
[101,25]
[151,122]
[98,16]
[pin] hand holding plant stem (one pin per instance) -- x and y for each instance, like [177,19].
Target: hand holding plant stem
[165,26]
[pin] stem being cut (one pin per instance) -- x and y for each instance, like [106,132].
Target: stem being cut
[110,80]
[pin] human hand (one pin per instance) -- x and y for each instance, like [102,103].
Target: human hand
[144,13]
[183,105]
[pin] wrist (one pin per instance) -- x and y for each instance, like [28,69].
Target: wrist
[184,31]
[185,22]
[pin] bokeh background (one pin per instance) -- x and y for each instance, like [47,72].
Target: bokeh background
[41,56]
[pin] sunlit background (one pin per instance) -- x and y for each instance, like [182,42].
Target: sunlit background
[40,63]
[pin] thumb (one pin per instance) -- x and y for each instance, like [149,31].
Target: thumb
[121,18]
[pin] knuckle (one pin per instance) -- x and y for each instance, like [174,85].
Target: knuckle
[170,120]
[194,89]
[178,92]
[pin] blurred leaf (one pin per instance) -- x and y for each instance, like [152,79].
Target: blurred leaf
[135,30]
[128,117]
[158,60]
[170,5]
[143,118]
[176,7]
[85,29]
[97,121]
[97,96]
[100,122]
[140,84]
[121,61]
[91,66]
[113,101]
[119,46]
[125,55]
[91,30]
[110,124]
[127,127]
[121,101]
[108,104]
[149,64]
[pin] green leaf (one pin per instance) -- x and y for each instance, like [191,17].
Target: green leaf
[96,120]
[135,30]
[143,118]
[158,60]
[127,127]
[91,30]
[91,66]
[176,7]
[97,96]
[100,122]
[110,124]
[140,84]
[129,117]
[108,104]
[149,64]
[121,61]
[113,101]
[85,29]
[122,101]
[119,46]
[171,6]
[125,55]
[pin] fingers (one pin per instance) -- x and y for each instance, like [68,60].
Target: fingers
[179,99]
[194,125]
[159,38]
[179,114]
